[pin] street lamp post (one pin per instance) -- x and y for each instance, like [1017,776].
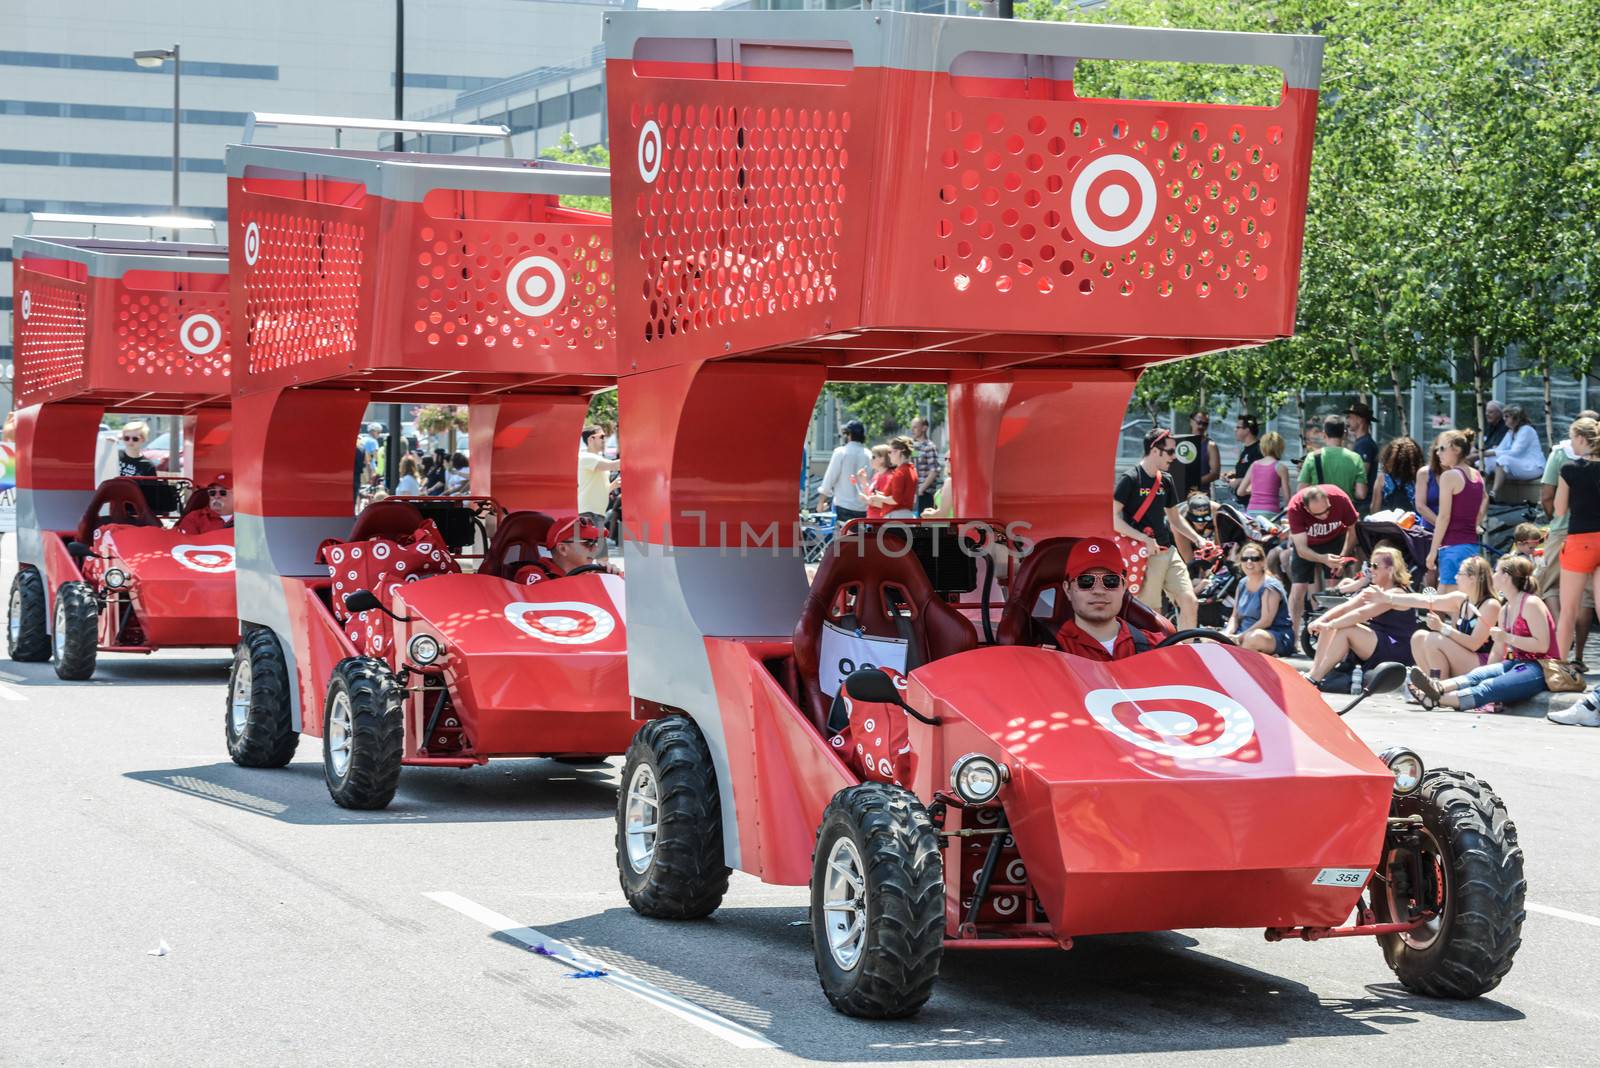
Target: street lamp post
[154,57]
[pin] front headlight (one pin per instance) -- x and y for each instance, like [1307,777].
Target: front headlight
[423,650]
[976,778]
[116,579]
[1407,768]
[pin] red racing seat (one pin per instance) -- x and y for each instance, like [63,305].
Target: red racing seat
[1046,567]
[386,519]
[124,502]
[524,531]
[879,588]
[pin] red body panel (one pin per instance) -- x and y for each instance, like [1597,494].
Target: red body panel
[182,585]
[532,670]
[1120,830]
[319,644]
[786,773]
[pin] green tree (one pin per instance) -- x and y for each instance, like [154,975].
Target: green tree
[886,409]
[566,150]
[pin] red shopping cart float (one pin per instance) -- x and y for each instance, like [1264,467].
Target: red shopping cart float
[366,277]
[881,196]
[104,325]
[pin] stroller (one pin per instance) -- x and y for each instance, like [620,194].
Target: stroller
[1218,580]
[1388,527]
[1502,521]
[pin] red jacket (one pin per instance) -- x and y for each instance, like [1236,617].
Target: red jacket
[201,521]
[1072,639]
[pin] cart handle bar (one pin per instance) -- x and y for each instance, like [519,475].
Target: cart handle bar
[340,123]
[151,222]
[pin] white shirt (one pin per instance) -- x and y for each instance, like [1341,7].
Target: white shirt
[594,488]
[837,484]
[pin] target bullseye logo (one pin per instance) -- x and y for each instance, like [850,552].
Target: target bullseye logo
[210,559]
[252,244]
[561,622]
[200,333]
[536,286]
[1113,200]
[27,304]
[1161,720]
[650,151]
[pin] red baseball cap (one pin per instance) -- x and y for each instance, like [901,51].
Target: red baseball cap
[572,527]
[223,481]
[1092,554]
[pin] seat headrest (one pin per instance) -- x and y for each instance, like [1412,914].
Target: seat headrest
[386,519]
[124,501]
[525,529]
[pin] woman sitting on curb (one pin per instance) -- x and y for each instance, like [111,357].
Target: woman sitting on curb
[1458,623]
[1260,608]
[1513,672]
[1367,625]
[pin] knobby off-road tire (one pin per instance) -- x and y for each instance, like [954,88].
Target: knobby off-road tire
[77,638]
[27,632]
[363,734]
[258,719]
[878,864]
[676,871]
[1471,946]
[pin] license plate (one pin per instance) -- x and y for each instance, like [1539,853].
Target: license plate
[1348,877]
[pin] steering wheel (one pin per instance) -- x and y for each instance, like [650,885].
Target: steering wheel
[583,569]
[1196,632]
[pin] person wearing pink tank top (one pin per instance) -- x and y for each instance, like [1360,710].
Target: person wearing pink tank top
[1462,501]
[1513,672]
[1269,478]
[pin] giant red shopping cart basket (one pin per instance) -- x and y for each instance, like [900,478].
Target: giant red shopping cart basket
[414,270]
[116,322]
[882,182]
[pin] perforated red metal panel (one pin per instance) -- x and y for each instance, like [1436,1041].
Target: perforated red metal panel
[50,327]
[144,331]
[331,279]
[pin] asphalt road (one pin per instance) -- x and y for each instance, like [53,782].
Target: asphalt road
[300,933]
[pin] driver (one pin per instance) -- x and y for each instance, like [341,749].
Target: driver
[572,543]
[1096,585]
[218,512]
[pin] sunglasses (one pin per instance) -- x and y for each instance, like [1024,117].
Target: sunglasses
[589,543]
[1169,452]
[1087,582]
[1252,559]
[131,437]
[215,493]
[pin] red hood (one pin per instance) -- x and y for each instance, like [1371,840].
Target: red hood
[181,584]
[1195,786]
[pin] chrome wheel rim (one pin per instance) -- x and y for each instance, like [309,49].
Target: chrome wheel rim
[339,734]
[239,703]
[641,816]
[844,904]
[58,640]
[1421,938]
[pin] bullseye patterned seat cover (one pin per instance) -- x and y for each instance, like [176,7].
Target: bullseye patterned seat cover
[382,565]
[875,744]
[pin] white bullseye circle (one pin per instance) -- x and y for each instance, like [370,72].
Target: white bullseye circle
[200,333]
[27,304]
[1113,200]
[252,244]
[210,559]
[1172,725]
[566,629]
[541,294]
[1113,197]
[650,151]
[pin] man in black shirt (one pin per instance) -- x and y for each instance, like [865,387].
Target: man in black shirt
[1358,432]
[131,460]
[1247,432]
[1146,511]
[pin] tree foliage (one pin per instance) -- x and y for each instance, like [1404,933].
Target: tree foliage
[566,150]
[1452,211]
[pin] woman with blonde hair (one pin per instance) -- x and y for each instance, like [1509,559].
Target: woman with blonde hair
[1454,637]
[1513,672]
[1268,478]
[1463,499]
[1367,624]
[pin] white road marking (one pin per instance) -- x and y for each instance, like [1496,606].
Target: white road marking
[8,694]
[708,1021]
[1563,914]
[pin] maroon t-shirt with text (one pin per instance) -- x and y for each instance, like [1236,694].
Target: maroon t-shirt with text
[1320,530]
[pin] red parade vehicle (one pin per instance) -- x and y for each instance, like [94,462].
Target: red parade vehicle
[877,196]
[407,634]
[132,564]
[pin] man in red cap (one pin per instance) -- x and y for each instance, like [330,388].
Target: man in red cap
[1096,586]
[218,513]
[572,543]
